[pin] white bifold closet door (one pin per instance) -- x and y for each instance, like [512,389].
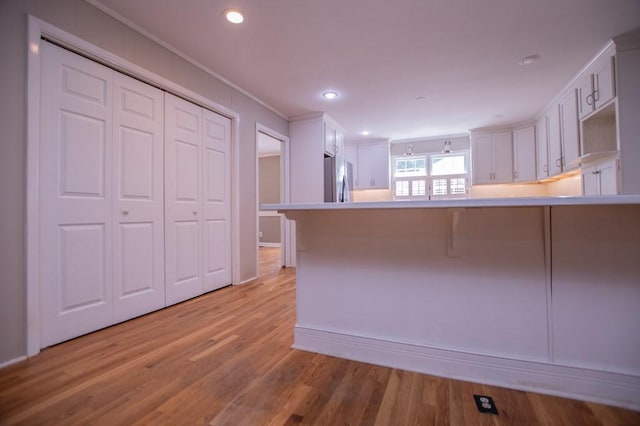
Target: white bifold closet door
[197,211]
[101,196]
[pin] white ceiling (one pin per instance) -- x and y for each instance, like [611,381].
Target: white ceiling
[380,55]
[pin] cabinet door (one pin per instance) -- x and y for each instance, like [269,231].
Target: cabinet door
[482,159]
[380,166]
[604,81]
[555,144]
[608,174]
[570,131]
[329,139]
[524,155]
[585,95]
[502,157]
[542,160]
[590,184]
[365,166]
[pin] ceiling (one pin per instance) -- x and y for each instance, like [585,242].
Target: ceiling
[403,69]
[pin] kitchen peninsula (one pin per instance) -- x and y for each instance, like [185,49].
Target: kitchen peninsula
[538,294]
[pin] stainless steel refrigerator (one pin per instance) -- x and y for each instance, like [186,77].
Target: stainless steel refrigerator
[338,180]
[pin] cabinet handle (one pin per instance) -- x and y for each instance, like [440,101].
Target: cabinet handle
[589,99]
[597,172]
[515,175]
[125,212]
[596,96]
[545,168]
[558,164]
[195,212]
[563,161]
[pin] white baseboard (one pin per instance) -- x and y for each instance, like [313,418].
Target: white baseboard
[572,382]
[248,280]
[12,361]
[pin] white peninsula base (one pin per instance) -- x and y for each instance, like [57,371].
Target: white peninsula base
[535,295]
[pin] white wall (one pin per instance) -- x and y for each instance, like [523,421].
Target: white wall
[88,23]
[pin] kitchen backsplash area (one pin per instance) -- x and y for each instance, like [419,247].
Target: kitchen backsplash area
[568,186]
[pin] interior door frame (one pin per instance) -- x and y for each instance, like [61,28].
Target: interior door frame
[37,30]
[285,196]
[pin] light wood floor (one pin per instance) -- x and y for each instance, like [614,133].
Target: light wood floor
[225,359]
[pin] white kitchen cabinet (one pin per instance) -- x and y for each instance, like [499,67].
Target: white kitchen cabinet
[524,154]
[373,166]
[601,178]
[569,131]
[492,156]
[554,142]
[542,159]
[563,135]
[333,138]
[310,136]
[597,86]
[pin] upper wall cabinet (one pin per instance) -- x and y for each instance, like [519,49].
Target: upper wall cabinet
[597,85]
[312,137]
[569,131]
[524,154]
[542,159]
[492,157]
[372,168]
[563,135]
[333,138]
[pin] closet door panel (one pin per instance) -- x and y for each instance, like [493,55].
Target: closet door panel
[217,201]
[138,206]
[183,199]
[75,196]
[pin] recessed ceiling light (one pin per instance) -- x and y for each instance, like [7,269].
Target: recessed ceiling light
[330,95]
[365,133]
[528,60]
[234,16]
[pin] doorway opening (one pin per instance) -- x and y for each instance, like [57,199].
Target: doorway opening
[271,177]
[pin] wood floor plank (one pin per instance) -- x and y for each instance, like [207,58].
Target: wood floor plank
[225,358]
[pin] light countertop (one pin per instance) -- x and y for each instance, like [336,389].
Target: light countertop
[462,203]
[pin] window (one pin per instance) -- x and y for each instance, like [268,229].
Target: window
[411,166]
[424,177]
